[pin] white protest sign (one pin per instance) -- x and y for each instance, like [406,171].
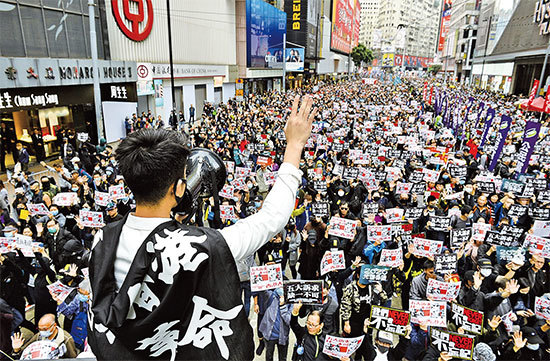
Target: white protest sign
[340,347]
[226,192]
[102,198]
[117,192]
[479,230]
[39,209]
[542,307]
[91,219]
[442,291]
[65,199]
[380,233]
[341,227]
[394,215]
[433,313]
[332,261]
[266,277]
[391,257]
[60,290]
[227,213]
[426,247]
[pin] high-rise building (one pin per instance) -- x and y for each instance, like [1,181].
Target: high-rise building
[369,21]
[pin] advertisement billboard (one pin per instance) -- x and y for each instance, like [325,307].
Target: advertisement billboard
[444,26]
[346,16]
[295,59]
[265,27]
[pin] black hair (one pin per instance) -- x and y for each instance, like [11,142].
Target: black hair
[317,313]
[428,264]
[465,210]
[151,161]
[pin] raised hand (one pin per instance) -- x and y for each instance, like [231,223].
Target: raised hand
[17,341]
[519,341]
[494,322]
[298,129]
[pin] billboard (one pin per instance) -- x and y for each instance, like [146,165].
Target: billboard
[297,21]
[265,27]
[346,19]
[295,59]
[444,26]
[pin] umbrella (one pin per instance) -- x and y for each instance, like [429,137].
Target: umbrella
[536,106]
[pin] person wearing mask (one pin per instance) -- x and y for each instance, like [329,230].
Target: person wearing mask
[55,239]
[112,213]
[275,324]
[48,330]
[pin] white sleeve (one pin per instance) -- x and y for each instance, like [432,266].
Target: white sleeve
[247,235]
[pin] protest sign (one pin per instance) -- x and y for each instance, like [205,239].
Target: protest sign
[341,227]
[513,186]
[500,239]
[541,228]
[457,171]
[441,224]
[540,184]
[470,320]
[65,199]
[372,273]
[320,186]
[542,307]
[538,245]
[380,176]
[391,257]
[507,321]
[445,263]
[515,232]
[239,183]
[44,349]
[60,290]
[403,188]
[241,172]
[486,187]
[542,214]
[226,192]
[412,213]
[455,344]
[433,313]
[25,244]
[426,247]
[430,175]
[350,173]
[338,169]
[544,196]
[479,231]
[101,198]
[38,209]
[389,319]
[370,208]
[416,176]
[517,210]
[394,215]
[117,192]
[266,277]
[6,245]
[528,191]
[229,166]
[320,209]
[270,178]
[91,219]
[379,233]
[419,188]
[307,292]
[442,291]
[227,213]
[506,254]
[452,196]
[341,347]
[332,260]
[264,160]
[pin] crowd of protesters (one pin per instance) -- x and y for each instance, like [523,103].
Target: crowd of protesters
[376,150]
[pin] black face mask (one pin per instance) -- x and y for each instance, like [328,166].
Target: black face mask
[45,186]
[382,349]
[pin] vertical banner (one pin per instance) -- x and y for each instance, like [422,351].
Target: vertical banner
[533,92]
[479,112]
[470,103]
[487,127]
[504,128]
[425,92]
[431,94]
[547,102]
[530,137]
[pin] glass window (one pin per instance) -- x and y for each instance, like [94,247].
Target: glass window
[75,30]
[100,52]
[32,2]
[33,30]
[9,24]
[73,5]
[56,24]
[58,4]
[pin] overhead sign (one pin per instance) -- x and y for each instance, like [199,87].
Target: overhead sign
[540,16]
[129,19]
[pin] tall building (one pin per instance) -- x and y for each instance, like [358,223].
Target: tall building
[460,42]
[369,21]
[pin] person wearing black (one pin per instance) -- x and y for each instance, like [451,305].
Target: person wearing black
[310,339]
[38,144]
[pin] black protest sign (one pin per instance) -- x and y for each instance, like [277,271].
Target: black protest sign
[393,153]
[259,147]
[515,232]
[455,344]
[459,236]
[486,187]
[441,224]
[509,185]
[470,320]
[320,186]
[389,320]
[418,188]
[540,184]
[413,213]
[517,210]
[416,177]
[541,214]
[544,197]
[458,171]
[350,173]
[370,208]
[374,273]
[320,209]
[399,163]
[307,292]
[445,263]
[500,239]
[528,191]
[338,147]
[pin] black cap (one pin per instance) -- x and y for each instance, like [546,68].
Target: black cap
[469,276]
[484,263]
[531,335]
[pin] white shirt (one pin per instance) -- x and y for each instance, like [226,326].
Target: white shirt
[243,238]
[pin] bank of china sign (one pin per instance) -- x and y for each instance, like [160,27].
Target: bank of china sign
[133,17]
[541,17]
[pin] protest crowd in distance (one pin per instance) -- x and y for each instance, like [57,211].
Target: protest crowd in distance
[421,229]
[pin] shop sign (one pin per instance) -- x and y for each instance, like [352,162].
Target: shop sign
[8,101]
[37,98]
[28,72]
[541,16]
[162,71]
[121,92]
[134,17]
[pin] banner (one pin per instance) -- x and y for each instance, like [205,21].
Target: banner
[456,345]
[307,292]
[542,307]
[426,247]
[445,263]
[332,261]
[341,347]
[91,219]
[433,313]
[391,257]
[442,291]
[341,227]
[266,277]
[379,233]
[480,108]
[488,123]
[389,319]
[533,92]
[530,137]
[372,273]
[504,128]
[470,320]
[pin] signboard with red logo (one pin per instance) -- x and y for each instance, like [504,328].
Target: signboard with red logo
[343,24]
[444,26]
[134,18]
[398,60]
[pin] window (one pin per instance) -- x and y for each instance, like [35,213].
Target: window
[56,29]
[33,30]
[75,30]
[9,24]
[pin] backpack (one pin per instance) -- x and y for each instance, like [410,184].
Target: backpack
[79,330]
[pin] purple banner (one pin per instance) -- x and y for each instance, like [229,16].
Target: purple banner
[470,103]
[479,111]
[504,128]
[530,137]
[487,126]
